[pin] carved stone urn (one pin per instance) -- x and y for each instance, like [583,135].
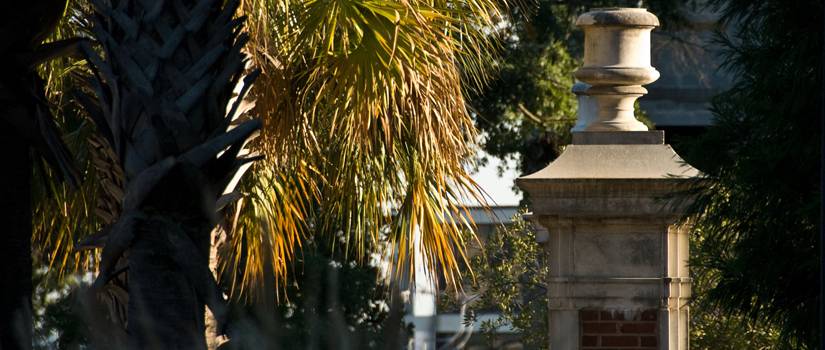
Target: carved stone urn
[617,64]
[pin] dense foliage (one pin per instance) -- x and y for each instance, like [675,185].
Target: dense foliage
[715,328]
[331,302]
[511,274]
[759,217]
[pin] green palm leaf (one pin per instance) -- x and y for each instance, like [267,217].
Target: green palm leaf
[370,97]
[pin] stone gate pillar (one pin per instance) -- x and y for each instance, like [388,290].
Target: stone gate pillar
[612,203]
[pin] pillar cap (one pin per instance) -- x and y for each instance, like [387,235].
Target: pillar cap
[615,161]
[618,16]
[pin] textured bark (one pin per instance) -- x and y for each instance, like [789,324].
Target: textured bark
[217,239]
[165,310]
[161,99]
[15,247]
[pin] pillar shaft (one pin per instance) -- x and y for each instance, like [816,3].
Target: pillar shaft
[612,206]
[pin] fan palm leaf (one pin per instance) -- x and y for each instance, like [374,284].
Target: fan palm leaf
[364,106]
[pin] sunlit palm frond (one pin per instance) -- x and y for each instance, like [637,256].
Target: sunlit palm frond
[371,95]
[62,215]
[265,227]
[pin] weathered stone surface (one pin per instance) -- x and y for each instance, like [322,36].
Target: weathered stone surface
[651,137]
[618,16]
[613,162]
[587,109]
[611,205]
[614,244]
[617,64]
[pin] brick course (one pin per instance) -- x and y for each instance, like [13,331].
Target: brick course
[618,330]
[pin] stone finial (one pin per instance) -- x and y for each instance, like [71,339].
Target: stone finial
[617,64]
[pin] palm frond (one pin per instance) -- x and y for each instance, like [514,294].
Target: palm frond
[370,95]
[265,227]
[65,216]
[62,215]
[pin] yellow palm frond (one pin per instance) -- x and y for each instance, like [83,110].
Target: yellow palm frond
[369,95]
[265,227]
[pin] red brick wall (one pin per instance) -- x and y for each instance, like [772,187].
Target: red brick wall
[615,330]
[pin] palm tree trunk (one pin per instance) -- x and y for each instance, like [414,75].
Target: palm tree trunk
[15,250]
[165,310]
[164,112]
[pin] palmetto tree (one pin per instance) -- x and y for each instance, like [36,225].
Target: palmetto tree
[367,136]
[25,123]
[163,97]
